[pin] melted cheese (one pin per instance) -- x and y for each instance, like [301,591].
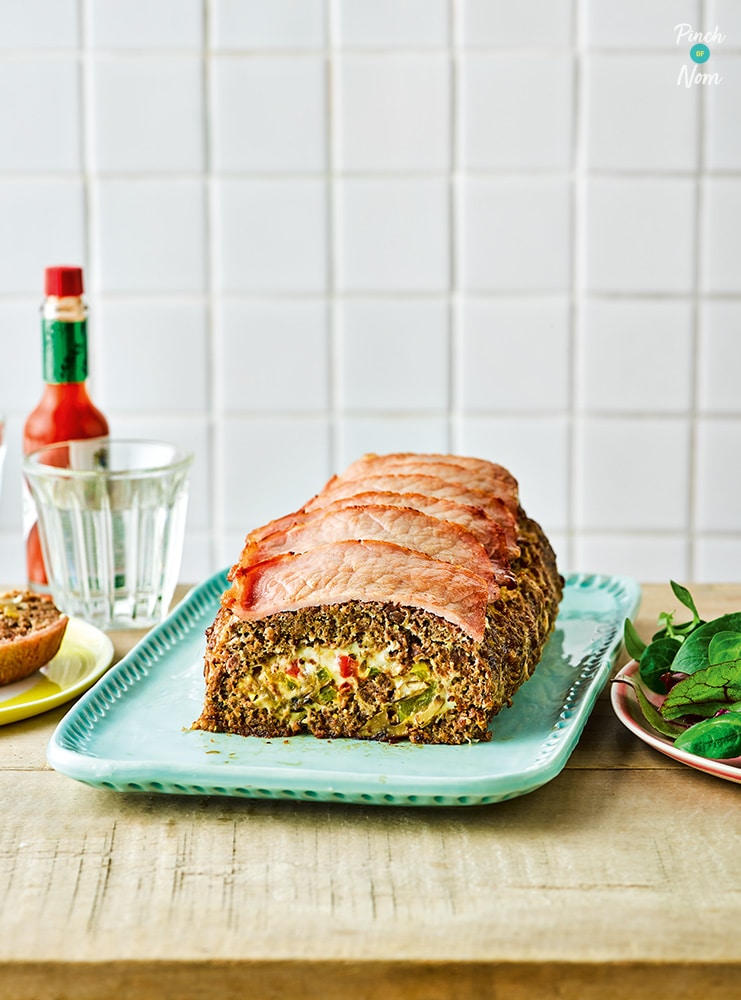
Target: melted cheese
[313,676]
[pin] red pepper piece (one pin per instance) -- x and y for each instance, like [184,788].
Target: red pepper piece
[348,666]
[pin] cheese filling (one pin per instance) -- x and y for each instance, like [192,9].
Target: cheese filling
[318,676]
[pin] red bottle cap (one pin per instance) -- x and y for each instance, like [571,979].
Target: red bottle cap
[63,281]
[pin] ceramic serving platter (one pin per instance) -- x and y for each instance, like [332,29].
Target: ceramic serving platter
[132,731]
[84,655]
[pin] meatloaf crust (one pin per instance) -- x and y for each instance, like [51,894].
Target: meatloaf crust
[404,672]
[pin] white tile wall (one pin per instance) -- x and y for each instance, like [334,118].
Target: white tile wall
[147,114]
[392,112]
[617,331]
[380,344]
[43,218]
[32,137]
[267,24]
[39,24]
[529,23]
[633,24]
[722,144]
[722,235]
[392,24]
[638,234]
[313,228]
[514,234]
[634,474]
[148,235]
[268,113]
[269,235]
[392,235]
[497,133]
[145,24]
[719,362]
[528,339]
[626,95]
[288,348]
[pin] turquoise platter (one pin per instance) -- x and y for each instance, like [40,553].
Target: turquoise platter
[132,731]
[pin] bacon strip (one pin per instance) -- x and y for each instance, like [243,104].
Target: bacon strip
[473,519]
[360,571]
[433,486]
[442,540]
[476,472]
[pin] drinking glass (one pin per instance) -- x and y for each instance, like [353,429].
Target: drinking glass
[111,520]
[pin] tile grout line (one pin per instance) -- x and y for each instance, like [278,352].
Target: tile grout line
[334,348]
[480,295]
[87,176]
[278,51]
[91,276]
[575,328]
[454,423]
[692,460]
[213,354]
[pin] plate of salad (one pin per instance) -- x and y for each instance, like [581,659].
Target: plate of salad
[681,692]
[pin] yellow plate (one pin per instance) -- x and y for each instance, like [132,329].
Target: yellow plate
[84,656]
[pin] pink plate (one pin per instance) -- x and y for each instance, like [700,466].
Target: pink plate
[626,708]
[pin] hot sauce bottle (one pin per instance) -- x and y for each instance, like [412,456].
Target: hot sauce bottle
[65,411]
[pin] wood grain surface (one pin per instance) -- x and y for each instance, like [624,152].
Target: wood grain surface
[620,878]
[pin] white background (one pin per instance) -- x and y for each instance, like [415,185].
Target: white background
[312,228]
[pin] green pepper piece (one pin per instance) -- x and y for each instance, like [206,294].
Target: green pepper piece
[409,706]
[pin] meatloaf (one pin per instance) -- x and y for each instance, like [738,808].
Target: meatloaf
[409,599]
[31,632]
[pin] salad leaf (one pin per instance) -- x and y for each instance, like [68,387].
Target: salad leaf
[633,642]
[704,692]
[657,660]
[725,647]
[693,655]
[696,665]
[718,738]
[651,714]
[685,597]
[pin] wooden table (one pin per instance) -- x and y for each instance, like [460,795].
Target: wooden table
[620,878]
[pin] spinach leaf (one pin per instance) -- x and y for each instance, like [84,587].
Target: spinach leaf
[704,692]
[666,618]
[725,647]
[650,713]
[633,642]
[657,660]
[685,597]
[718,738]
[693,655]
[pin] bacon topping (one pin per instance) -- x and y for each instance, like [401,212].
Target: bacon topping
[431,531]
[432,486]
[474,472]
[360,571]
[442,540]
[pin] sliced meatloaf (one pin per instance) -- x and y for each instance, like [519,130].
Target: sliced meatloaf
[370,621]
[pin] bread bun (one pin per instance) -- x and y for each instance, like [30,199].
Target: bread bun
[31,632]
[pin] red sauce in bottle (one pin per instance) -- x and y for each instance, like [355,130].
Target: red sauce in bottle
[65,411]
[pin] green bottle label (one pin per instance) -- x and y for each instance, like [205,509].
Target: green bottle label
[65,350]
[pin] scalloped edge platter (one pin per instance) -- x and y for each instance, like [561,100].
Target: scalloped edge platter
[131,732]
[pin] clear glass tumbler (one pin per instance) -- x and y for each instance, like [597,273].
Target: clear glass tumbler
[112,520]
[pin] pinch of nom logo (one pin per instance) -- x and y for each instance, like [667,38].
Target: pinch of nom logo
[699,46]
